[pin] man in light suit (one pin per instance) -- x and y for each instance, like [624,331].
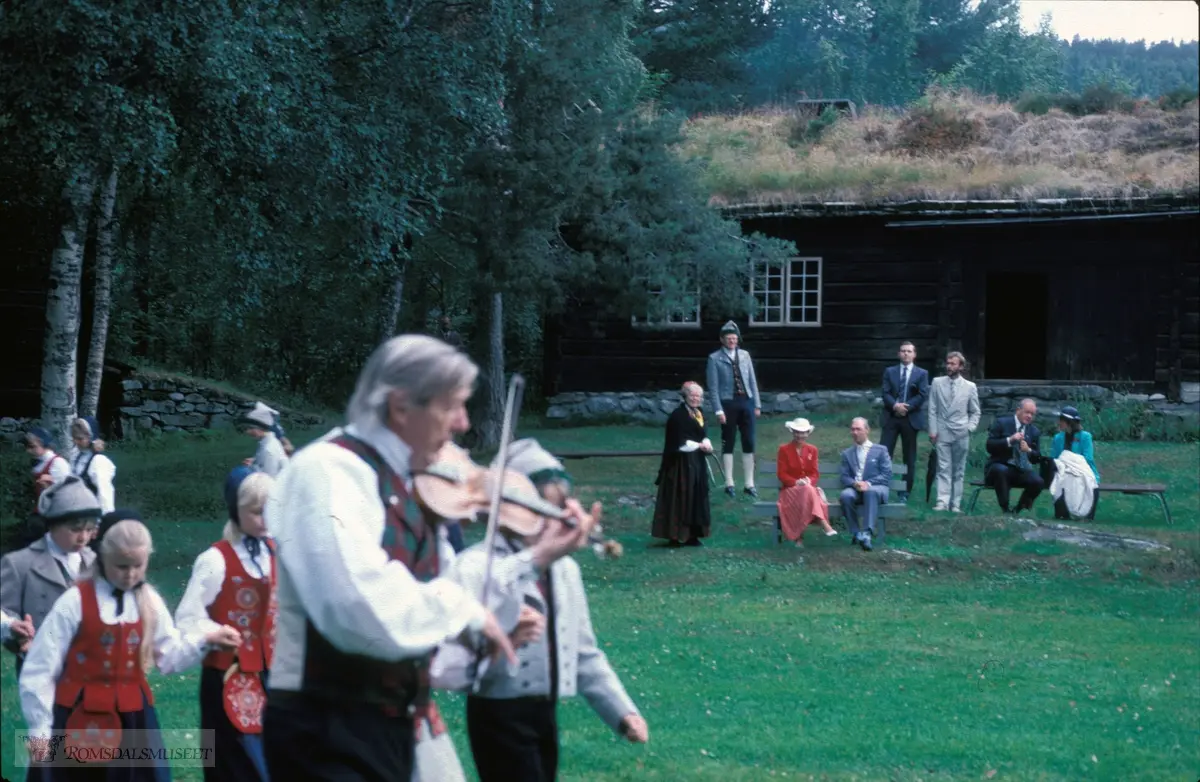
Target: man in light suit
[866,476]
[1014,447]
[905,389]
[33,578]
[953,414]
[736,402]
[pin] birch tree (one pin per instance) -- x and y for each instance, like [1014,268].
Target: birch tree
[106,229]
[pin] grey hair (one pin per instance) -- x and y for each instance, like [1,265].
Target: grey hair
[1026,402]
[866,423]
[421,366]
[962,359]
[688,386]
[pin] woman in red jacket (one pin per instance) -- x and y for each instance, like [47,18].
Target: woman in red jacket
[801,500]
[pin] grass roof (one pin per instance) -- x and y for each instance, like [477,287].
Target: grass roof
[946,148]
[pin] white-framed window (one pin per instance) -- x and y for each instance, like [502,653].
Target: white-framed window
[686,315]
[787,294]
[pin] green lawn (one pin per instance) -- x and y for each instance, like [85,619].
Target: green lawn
[982,656]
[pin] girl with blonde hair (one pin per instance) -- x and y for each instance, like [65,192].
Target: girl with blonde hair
[233,586]
[90,464]
[86,669]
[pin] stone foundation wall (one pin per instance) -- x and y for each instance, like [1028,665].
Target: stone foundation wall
[655,406]
[152,403]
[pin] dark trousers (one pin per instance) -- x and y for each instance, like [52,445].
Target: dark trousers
[307,739]
[739,418]
[1005,476]
[901,426]
[513,738]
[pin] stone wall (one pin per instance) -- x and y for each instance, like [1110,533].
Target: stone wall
[166,404]
[655,406]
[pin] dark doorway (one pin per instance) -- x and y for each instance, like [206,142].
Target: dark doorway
[1015,342]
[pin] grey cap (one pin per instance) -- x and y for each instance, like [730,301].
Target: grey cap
[67,500]
[529,458]
[730,328]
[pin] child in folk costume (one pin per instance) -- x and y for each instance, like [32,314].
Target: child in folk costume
[85,674]
[511,721]
[91,465]
[233,584]
[48,467]
[262,423]
[33,578]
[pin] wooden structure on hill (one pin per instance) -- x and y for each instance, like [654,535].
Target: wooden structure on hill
[1062,289]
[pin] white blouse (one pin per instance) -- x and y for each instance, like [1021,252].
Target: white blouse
[208,575]
[270,456]
[174,651]
[101,470]
[59,467]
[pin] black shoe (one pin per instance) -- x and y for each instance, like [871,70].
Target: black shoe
[693,542]
[732,492]
[753,492]
[673,544]
[866,543]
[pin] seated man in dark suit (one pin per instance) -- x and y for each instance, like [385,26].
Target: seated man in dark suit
[866,475]
[1014,447]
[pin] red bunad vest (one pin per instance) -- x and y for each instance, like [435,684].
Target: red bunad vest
[247,603]
[104,663]
[397,688]
[39,488]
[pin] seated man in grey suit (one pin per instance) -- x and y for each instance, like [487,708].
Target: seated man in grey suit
[866,474]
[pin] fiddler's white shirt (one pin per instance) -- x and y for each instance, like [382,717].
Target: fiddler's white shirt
[59,467]
[208,576]
[101,470]
[327,518]
[174,650]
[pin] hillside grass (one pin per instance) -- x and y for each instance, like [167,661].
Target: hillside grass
[949,146]
[973,655]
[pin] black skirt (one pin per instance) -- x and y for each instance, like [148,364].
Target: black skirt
[147,771]
[237,756]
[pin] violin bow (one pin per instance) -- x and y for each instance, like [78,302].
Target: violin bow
[516,388]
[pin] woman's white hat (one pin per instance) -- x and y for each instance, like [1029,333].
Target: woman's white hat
[799,425]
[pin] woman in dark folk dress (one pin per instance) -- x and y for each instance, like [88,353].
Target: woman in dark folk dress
[681,512]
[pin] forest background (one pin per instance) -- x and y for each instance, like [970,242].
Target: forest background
[258,193]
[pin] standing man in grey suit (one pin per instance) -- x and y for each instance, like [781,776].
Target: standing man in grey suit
[953,414]
[866,476]
[736,402]
[905,389]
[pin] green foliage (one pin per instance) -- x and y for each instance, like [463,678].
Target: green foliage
[1096,99]
[1178,98]
[806,130]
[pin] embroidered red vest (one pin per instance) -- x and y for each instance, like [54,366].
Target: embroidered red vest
[397,687]
[103,663]
[247,603]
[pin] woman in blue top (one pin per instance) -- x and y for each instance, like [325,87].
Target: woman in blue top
[1072,437]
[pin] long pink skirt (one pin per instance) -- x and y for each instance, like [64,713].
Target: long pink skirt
[799,506]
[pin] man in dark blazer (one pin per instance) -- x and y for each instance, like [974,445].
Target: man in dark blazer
[1014,453]
[905,391]
[866,476]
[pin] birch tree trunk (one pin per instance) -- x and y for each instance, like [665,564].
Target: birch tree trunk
[494,390]
[394,300]
[106,230]
[61,347]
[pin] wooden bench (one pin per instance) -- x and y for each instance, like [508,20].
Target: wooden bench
[1156,490]
[831,482]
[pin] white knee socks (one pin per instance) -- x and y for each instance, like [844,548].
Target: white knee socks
[748,469]
[727,463]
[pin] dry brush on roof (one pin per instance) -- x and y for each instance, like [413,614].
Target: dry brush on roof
[948,147]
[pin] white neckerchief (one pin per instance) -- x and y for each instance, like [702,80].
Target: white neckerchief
[72,560]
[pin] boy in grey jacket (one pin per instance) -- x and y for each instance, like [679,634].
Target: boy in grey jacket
[511,720]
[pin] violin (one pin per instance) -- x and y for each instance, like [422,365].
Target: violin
[456,488]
